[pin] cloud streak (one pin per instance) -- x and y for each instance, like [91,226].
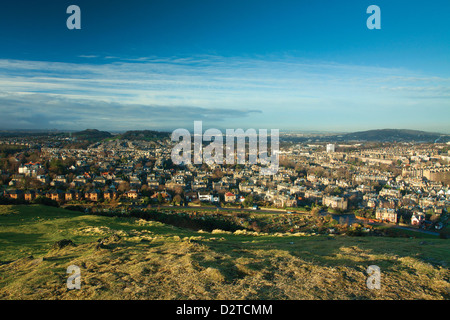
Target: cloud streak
[158,93]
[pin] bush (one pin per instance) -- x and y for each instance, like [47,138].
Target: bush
[315,211]
[5,200]
[75,208]
[181,220]
[355,233]
[46,202]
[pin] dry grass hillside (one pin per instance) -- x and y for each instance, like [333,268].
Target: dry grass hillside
[124,258]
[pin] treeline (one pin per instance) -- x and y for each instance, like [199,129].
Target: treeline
[7,149]
[146,135]
[39,200]
[180,220]
[11,157]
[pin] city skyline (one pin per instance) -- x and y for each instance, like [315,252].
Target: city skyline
[301,66]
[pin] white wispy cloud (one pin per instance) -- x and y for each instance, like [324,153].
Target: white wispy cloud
[153,92]
[88,56]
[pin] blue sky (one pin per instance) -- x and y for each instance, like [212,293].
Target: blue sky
[293,65]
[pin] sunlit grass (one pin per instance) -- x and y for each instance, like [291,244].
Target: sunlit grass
[151,260]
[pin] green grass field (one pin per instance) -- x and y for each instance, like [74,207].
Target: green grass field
[150,260]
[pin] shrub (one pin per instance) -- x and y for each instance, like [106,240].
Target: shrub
[75,208]
[443,236]
[5,200]
[46,201]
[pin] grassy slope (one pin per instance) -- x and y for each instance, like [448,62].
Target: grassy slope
[156,261]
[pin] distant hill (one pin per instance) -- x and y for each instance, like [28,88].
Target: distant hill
[29,133]
[391,135]
[146,135]
[91,135]
[380,135]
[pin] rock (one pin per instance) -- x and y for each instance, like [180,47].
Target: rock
[63,243]
[37,261]
[104,242]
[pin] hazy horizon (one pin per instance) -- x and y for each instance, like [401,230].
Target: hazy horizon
[191,130]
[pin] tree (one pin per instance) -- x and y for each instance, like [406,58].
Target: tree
[124,187]
[56,166]
[46,201]
[254,225]
[160,198]
[301,171]
[178,190]
[337,191]
[435,217]
[146,200]
[248,202]
[177,199]
[315,211]
[217,174]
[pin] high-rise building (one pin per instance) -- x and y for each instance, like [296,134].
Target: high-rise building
[330,147]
